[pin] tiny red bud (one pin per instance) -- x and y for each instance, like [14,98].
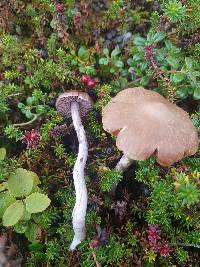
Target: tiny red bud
[59,8]
[85,78]
[91,83]
[77,18]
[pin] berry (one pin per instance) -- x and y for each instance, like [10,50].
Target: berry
[77,18]
[85,78]
[59,8]
[91,83]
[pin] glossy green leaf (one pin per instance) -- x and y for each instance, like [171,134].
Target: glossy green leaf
[103,61]
[173,61]
[182,93]
[29,114]
[139,41]
[196,94]
[144,81]
[31,100]
[177,77]
[188,62]
[119,63]
[115,52]
[156,37]
[21,105]
[138,57]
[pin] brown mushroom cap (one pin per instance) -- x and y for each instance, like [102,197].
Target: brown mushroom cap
[63,103]
[146,123]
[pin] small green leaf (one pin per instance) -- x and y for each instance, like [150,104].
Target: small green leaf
[115,52]
[160,54]
[188,62]
[124,73]
[6,199]
[130,62]
[74,62]
[173,61]
[182,93]
[83,53]
[20,183]
[168,44]
[143,66]
[20,227]
[37,202]
[82,69]
[196,94]
[144,81]
[31,100]
[40,109]
[21,105]
[31,232]
[2,153]
[29,114]
[13,213]
[106,51]
[112,70]
[139,41]
[103,61]
[118,64]
[138,57]
[195,73]
[156,37]
[177,77]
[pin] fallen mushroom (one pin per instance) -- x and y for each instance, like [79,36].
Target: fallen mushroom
[76,105]
[146,124]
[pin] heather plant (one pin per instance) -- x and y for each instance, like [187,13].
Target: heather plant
[177,76]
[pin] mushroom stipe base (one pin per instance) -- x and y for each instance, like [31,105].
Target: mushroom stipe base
[79,211]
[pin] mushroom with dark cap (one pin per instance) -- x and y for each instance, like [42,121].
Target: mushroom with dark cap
[76,105]
[146,124]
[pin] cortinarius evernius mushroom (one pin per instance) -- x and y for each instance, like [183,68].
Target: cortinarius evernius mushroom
[146,124]
[76,104]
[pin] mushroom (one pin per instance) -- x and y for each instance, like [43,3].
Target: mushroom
[145,124]
[76,105]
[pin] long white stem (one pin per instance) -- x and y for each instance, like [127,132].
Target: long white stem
[79,211]
[121,166]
